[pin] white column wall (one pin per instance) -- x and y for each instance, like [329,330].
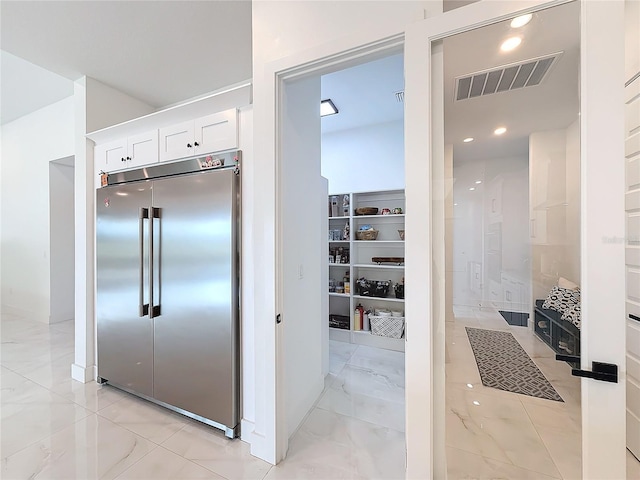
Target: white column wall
[61,241]
[28,145]
[96,106]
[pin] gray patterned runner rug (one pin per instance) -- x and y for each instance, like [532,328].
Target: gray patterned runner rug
[503,364]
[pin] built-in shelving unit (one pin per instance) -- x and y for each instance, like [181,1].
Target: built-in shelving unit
[360,263]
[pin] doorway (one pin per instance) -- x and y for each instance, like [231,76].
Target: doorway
[62,240]
[361,150]
[515,212]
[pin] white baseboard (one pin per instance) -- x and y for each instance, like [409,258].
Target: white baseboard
[261,447]
[246,430]
[83,374]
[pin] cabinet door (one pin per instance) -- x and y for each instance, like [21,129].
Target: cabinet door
[142,149]
[176,141]
[217,132]
[110,156]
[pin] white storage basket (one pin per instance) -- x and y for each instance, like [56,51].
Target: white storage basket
[387,326]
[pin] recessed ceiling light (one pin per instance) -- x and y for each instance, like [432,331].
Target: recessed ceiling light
[478,182]
[472,188]
[510,43]
[455,204]
[476,403]
[521,21]
[469,385]
[468,139]
[500,130]
[327,107]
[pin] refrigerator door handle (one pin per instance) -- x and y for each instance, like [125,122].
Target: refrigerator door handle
[154,310]
[143,308]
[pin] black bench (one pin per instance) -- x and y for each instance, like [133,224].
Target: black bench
[561,335]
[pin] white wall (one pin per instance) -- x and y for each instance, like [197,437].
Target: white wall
[555,207]
[107,106]
[364,159]
[303,249]
[473,220]
[632,38]
[28,145]
[61,241]
[468,228]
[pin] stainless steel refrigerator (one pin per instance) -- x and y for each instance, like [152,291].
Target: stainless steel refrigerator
[167,286]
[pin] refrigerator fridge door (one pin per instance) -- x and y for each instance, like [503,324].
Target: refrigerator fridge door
[196,290]
[125,331]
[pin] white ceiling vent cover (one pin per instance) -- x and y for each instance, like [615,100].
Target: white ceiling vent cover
[505,78]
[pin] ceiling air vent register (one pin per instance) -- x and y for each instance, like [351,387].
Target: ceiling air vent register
[505,78]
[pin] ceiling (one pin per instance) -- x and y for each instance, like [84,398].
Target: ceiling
[553,104]
[160,52]
[164,52]
[365,94]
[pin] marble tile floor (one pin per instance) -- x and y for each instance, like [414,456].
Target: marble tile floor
[52,427]
[491,433]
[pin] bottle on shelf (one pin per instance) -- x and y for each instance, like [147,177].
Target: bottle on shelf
[366,326]
[360,310]
[345,206]
[334,206]
[347,283]
[356,319]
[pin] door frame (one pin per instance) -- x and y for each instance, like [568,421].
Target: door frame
[269,439]
[602,216]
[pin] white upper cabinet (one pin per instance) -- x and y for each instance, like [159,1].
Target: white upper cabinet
[110,156]
[212,133]
[142,149]
[177,141]
[216,132]
[127,152]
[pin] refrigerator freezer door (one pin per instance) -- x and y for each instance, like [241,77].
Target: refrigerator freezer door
[196,353]
[125,338]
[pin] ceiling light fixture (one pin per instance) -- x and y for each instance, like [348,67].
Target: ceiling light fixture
[478,182]
[500,130]
[472,188]
[510,43]
[327,107]
[468,139]
[521,21]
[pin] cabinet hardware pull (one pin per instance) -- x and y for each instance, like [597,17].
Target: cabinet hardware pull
[196,144]
[189,145]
